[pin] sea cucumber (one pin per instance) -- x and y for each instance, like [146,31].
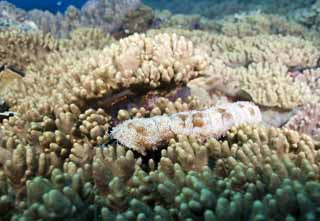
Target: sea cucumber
[143,134]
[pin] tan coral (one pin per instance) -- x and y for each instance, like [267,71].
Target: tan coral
[7,79]
[82,38]
[311,77]
[266,84]
[112,161]
[307,121]
[255,23]
[188,152]
[258,147]
[94,124]
[289,50]
[19,49]
[269,85]
[162,106]
[93,74]
[25,163]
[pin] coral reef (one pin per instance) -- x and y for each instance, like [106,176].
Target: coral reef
[19,49]
[215,9]
[83,141]
[307,121]
[108,15]
[92,76]
[257,172]
[257,68]
[308,16]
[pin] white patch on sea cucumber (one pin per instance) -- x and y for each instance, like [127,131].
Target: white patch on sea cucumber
[143,134]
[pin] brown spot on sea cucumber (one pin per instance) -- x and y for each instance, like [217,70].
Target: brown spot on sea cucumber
[141,130]
[221,110]
[142,143]
[197,120]
[183,117]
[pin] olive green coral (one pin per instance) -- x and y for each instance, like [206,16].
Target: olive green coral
[256,173]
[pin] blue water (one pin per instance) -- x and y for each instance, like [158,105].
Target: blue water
[61,5]
[50,5]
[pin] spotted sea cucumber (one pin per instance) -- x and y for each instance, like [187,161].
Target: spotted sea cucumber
[143,134]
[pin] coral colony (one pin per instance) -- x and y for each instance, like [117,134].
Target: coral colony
[138,116]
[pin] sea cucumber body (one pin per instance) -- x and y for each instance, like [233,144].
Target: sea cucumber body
[143,134]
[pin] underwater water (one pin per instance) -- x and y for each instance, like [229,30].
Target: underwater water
[51,5]
[160,110]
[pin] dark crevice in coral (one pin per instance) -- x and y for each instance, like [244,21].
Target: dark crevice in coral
[136,97]
[155,155]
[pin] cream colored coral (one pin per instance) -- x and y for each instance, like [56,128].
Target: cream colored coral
[311,77]
[269,85]
[307,121]
[82,38]
[234,51]
[256,22]
[266,84]
[79,76]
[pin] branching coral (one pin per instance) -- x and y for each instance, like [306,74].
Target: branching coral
[83,38]
[252,167]
[135,62]
[307,121]
[258,174]
[288,50]
[19,49]
[71,192]
[258,66]
[311,77]
[269,85]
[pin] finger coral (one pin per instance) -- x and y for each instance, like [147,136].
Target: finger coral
[91,75]
[269,85]
[19,49]
[306,121]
